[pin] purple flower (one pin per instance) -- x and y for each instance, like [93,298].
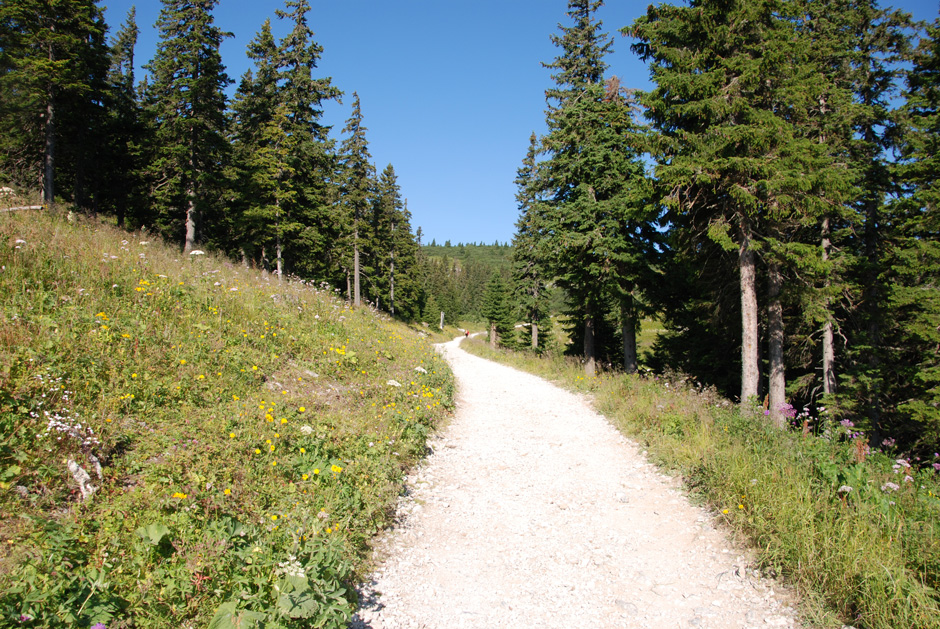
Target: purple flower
[98,625]
[847,423]
[936,466]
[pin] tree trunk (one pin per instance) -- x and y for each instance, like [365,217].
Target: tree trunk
[492,335]
[590,354]
[190,242]
[628,327]
[747,263]
[391,291]
[778,382]
[828,340]
[48,191]
[356,301]
[535,335]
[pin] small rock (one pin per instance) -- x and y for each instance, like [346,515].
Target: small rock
[627,607]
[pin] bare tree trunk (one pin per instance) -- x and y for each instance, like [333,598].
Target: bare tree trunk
[747,264]
[828,340]
[48,191]
[190,242]
[356,301]
[492,335]
[348,287]
[391,292]
[778,382]
[590,354]
[628,331]
[535,335]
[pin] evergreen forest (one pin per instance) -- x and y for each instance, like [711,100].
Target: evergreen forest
[771,200]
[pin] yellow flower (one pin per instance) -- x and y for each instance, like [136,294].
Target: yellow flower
[182,361]
[272,448]
[133,375]
[274,517]
[179,495]
[283,420]
[257,451]
[336,469]
[301,409]
[227,491]
[725,511]
[740,506]
[303,450]
[316,470]
[231,435]
[304,477]
[273,463]
[254,367]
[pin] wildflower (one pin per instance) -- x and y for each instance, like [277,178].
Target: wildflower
[301,409]
[227,491]
[307,430]
[421,369]
[890,487]
[179,495]
[183,361]
[231,435]
[197,252]
[316,471]
[257,451]
[336,469]
[303,450]
[847,423]
[844,489]
[304,477]
[908,479]
[393,383]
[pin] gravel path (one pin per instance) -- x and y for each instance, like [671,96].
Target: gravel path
[533,511]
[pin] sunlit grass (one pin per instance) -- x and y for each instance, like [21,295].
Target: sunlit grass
[249,435]
[856,532]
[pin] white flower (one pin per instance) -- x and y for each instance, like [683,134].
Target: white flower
[908,479]
[845,489]
[197,252]
[145,242]
[307,430]
[421,369]
[20,241]
[393,383]
[890,487]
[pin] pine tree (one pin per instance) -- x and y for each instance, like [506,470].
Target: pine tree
[393,248]
[358,184]
[186,107]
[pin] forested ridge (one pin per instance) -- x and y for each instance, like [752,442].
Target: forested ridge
[772,199]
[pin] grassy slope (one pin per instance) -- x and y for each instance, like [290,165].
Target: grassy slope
[869,556]
[250,437]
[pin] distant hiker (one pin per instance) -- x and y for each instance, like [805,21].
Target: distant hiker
[466,333]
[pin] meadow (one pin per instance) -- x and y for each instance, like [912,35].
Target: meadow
[186,442]
[856,531]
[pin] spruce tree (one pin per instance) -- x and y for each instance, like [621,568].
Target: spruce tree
[357,191]
[594,194]
[313,248]
[497,310]
[53,66]
[186,108]
[727,98]
[529,272]
[912,390]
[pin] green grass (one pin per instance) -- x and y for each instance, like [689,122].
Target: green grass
[869,557]
[251,434]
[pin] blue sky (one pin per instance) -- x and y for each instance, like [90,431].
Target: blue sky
[450,89]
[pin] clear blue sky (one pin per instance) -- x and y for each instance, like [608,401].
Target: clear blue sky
[450,89]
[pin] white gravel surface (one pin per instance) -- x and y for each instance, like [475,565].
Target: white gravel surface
[533,511]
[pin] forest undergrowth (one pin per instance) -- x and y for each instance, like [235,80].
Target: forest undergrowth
[855,530]
[187,443]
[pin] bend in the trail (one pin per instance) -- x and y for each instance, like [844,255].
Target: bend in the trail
[533,511]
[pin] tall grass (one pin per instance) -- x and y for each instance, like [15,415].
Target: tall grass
[187,443]
[856,531]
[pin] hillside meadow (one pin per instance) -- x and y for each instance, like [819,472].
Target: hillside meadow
[856,531]
[185,442]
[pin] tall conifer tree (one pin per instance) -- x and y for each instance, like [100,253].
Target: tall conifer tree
[358,184]
[186,104]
